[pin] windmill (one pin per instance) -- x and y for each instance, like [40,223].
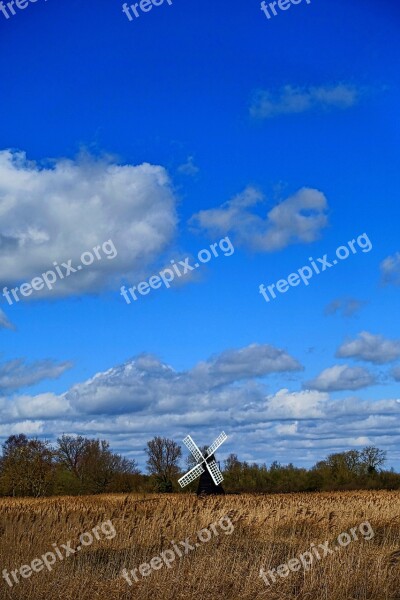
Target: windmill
[207,468]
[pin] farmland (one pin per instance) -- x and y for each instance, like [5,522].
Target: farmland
[268,531]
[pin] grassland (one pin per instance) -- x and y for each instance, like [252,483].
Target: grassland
[268,531]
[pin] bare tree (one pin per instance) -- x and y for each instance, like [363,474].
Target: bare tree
[92,462]
[163,461]
[71,452]
[372,458]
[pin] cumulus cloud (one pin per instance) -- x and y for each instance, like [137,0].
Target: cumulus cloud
[341,378]
[290,99]
[42,406]
[147,382]
[17,374]
[147,385]
[371,348]
[297,219]
[390,269]
[55,213]
[346,307]
[307,404]
[255,360]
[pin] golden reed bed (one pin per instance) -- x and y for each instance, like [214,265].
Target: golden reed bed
[268,531]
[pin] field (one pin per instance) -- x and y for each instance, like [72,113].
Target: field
[267,532]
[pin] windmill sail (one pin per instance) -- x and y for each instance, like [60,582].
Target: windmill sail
[220,440]
[207,468]
[214,472]
[191,475]
[189,443]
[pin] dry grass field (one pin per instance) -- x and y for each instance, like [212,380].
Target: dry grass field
[268,531]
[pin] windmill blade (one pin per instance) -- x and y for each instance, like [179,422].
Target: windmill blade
[189,443]
[214,472]
[220,440]
[191,475]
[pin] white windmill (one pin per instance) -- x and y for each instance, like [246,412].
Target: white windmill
[207,461]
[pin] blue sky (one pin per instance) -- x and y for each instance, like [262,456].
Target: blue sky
[192,123]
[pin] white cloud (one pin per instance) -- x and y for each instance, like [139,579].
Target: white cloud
[294,100]
[341,377]
[371,348]
[55,213]
[146,382]
[26,427]
[145,385]
[390,269]
[253,361]
[43,406]
[307,404]
[297,219]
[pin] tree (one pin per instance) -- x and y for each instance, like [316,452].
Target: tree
[350,470]
[71,452]
[101,466]
[372,459]
[232,463]
[93,466]
[163,457]
[27,467]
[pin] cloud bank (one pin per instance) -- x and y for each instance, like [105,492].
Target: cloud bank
[130,403]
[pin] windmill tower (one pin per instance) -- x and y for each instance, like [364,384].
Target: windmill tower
[207,468]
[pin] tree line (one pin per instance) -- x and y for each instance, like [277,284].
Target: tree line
[76,465]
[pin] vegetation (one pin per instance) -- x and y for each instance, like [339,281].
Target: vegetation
[268,531]
[76,465]
[342,471]
[163,462]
